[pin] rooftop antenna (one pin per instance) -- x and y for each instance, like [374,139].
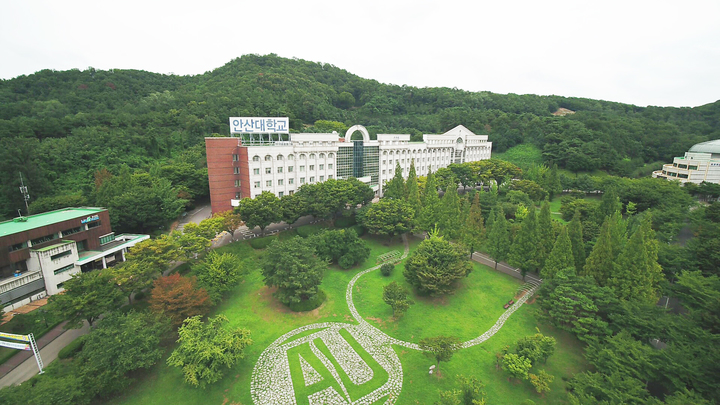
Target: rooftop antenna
[24,192]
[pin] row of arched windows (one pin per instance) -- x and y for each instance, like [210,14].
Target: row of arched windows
[302,156]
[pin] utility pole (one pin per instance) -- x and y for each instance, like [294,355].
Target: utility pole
[24,192]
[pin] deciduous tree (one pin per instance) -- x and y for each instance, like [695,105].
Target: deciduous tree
[517,366]
[177,298]
[387,217]
[397,297]
[292,267]
[206,351]
[86,297]
[218,274]
[260,211]
[439,348]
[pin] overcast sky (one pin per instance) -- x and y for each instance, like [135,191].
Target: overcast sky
[664,53]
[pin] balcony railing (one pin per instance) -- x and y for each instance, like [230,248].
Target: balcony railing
[12,283]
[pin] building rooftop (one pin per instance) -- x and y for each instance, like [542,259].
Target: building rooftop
[706,147]
[29,222]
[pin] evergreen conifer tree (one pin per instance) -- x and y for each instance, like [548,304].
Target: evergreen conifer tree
[561,256]
[524,250]
[546,233]
[395,188]
[413,191]
[609,205]
[637,274]
[498,242]
[552,181]
[575,231]
[430,211]
[617,227]
[600,264]
[473,227]
[451,214]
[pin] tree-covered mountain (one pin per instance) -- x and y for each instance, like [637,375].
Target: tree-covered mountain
[61,129]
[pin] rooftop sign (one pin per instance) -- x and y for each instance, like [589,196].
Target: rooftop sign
[259,125]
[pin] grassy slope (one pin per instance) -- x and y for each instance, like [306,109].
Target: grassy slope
[251,306]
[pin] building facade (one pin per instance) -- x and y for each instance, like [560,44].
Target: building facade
[701,163]
[245,167]
[38,253]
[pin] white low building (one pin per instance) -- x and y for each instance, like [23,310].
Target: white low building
[283,166]
[700,164]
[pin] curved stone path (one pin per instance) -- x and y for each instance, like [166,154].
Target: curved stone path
[485,336]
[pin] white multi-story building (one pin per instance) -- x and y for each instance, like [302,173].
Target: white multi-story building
[701,163]
[282,165]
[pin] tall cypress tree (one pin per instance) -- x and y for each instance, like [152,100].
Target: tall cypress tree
[610,203]
[552,181]
[395,188]
[524,250]
[451,215]
[498,242]
[413,191]
[575,231]
[430,211]
[546,233]
[637,274]
[601,262]
[561,256]
[473,227]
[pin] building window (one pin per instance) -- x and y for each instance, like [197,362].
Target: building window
[291,157]
[279,157]
[312,179]
[290,169]
[268,170]
[64,269]
[107,238]
[312,156]
[236,170]
[291,192]
[256,171]
[322,156]
[312,167]
[384,171]
[93,224]
[235,157]
[17,246]
[280,182]
[256,158]
[330,177]
[237,196]
[72,231]
[329,166]
[257,184]
[49,237]
[291,181]
[331,155]
[280,169]
[268,158]
[302,156]
[302,168]
[280,193]
[692,167]
[61,255]
[322,167]
[268,183]
[302,180]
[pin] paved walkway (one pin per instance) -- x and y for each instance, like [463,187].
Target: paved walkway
[22,366]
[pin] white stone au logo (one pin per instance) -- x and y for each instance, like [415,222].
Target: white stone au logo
[341,375]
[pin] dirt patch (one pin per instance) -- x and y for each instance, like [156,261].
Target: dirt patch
[443,300]
[379,321]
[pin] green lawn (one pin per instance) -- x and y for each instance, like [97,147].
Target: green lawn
[468,313]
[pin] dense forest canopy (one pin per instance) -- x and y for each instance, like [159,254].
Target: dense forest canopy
[68,132]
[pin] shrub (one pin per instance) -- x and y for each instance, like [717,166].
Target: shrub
[359,229]
[307,230]
[261,243]
[386,269]
[345,222]
[309,305]
[139,295]
[72,348]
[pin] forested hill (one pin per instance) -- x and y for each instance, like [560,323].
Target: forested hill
[60,129]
